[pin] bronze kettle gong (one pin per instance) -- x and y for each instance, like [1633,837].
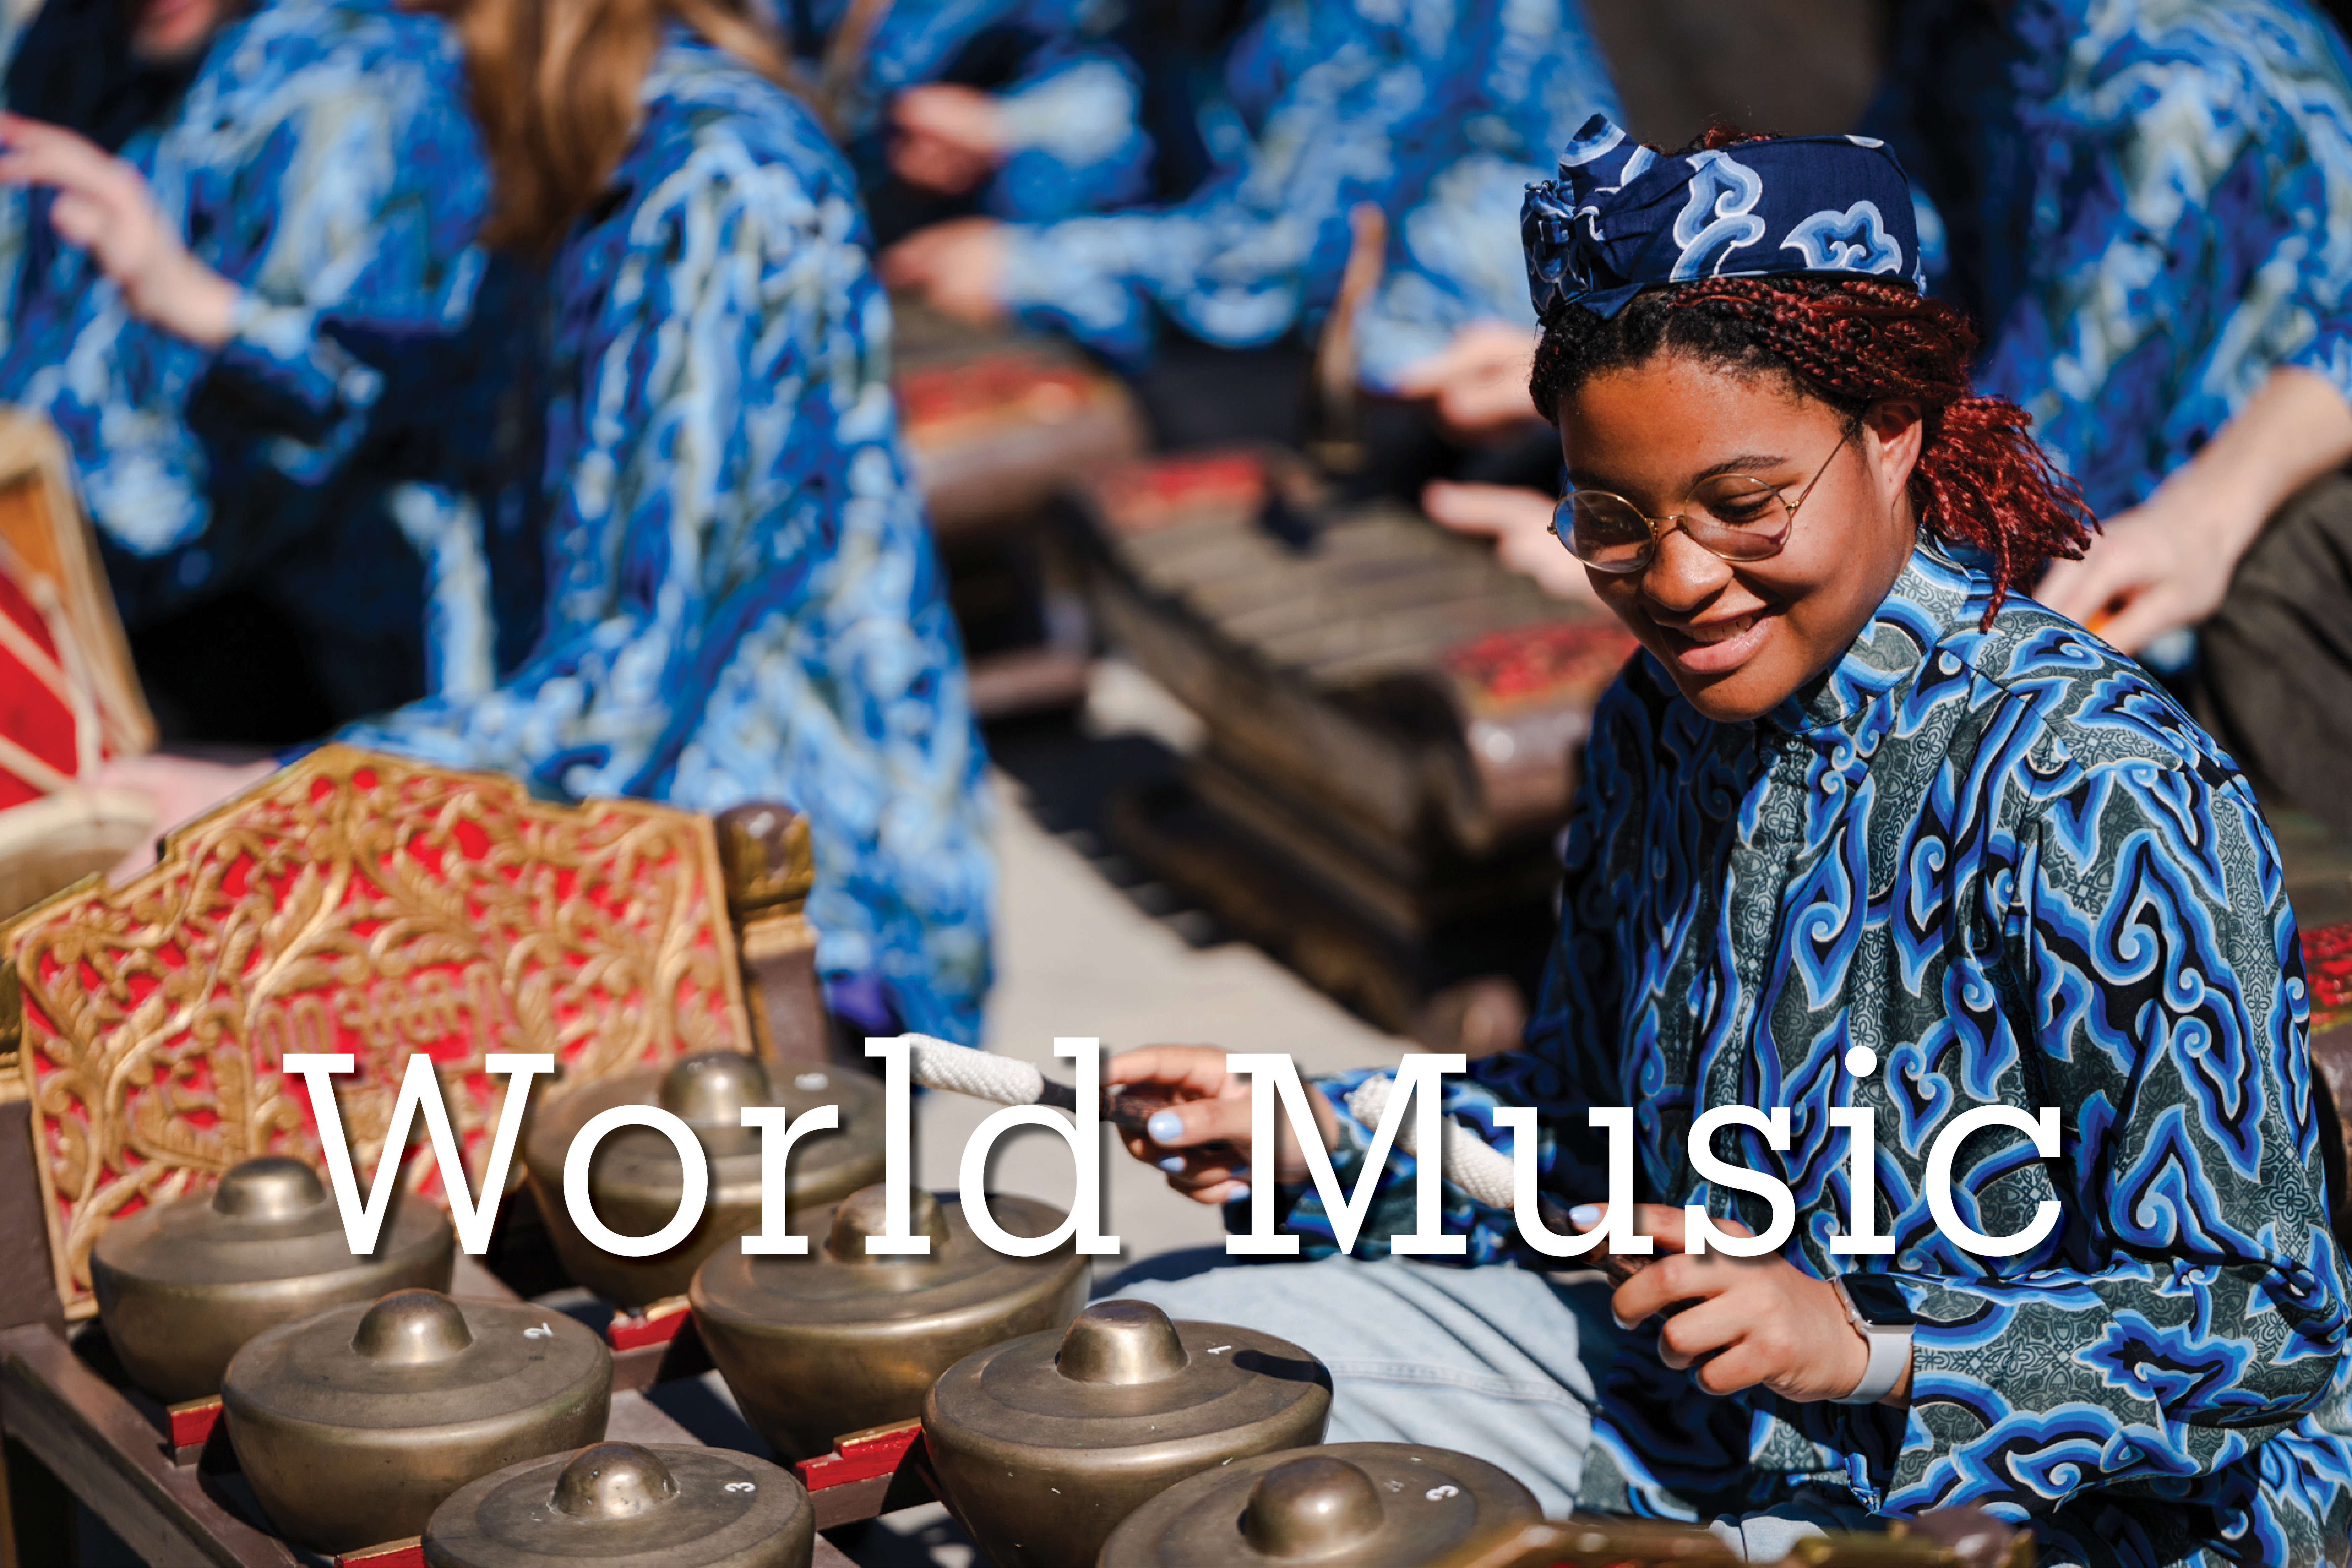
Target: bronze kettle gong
[182,1285]
[1042,1445]
[353,1425]
[842,1339]
[617,1505]
[636,1182]
[1344,1502]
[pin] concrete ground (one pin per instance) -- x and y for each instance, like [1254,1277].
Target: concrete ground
[1084,950]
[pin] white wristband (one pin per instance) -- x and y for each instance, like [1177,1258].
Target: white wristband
[1890,1353]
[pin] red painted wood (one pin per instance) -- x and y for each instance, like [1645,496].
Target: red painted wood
[193,1422]
[862,1455]
[656,1325]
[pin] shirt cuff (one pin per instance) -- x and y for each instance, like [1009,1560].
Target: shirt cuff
[281,349]
[1081,114]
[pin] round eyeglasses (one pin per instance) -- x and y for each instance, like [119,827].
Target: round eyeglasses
[1737,517]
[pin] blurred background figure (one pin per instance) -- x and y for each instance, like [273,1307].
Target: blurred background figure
[1432,116]
[1021,108]
[236,243]
[743,602]
[2149,208]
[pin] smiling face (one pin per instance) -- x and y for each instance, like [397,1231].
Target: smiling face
[1740,637]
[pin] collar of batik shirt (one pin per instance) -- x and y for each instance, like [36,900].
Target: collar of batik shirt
[1921,640]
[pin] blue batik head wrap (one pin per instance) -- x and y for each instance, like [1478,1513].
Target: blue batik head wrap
[1622,218]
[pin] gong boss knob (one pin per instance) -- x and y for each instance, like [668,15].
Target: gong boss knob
[353,1425]
[1043,1444]
[1343,1502]
[618,1505]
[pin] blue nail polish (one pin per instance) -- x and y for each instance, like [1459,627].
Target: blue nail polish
[1165,1127]
[1239,1193]
[1584,1216]
[1174,1163]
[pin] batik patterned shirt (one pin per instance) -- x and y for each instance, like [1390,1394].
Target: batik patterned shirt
[2007,863]
[743,601]
[2148,203]
[1068,96]
[1438,111]
[323,161]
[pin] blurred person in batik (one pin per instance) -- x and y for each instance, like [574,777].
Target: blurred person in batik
[742,599]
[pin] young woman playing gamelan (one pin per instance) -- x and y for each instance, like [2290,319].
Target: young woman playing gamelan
[1861,828]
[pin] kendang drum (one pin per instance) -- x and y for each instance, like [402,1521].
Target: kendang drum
[355,1425]
[635,1181]
[1042,1445]
[183,1285]
[1346,1502]
[618,1505]
[841,1340]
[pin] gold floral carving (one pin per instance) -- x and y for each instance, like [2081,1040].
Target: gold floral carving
[352,902]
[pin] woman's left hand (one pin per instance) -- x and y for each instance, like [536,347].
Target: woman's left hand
[103,206]
[2160,566]
[1763,1322]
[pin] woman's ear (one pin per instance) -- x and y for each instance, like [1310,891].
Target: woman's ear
[1894,433]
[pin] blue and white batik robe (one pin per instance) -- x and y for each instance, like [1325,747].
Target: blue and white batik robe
[2009,865]
[1068,95]
[743,602]
[2146,203]
[1438,111]
[322,159]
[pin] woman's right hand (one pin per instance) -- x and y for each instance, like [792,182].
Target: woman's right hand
[103,206]
[1203,1140]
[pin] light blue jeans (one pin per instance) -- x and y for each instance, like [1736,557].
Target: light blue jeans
[1499,1362]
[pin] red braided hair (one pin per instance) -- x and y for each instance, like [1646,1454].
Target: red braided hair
[1982,480]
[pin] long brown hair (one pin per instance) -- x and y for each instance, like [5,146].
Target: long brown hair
[555,84]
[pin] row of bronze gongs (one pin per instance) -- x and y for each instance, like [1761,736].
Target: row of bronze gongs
[1046,1426]
[465,1421]
[611,1505]
[181,1286]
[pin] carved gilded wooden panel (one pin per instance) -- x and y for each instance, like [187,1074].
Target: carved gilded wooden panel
[352,902]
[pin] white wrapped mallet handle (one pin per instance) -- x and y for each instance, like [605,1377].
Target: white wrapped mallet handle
[959,1070]
[1481,1170]
[1478,1168]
